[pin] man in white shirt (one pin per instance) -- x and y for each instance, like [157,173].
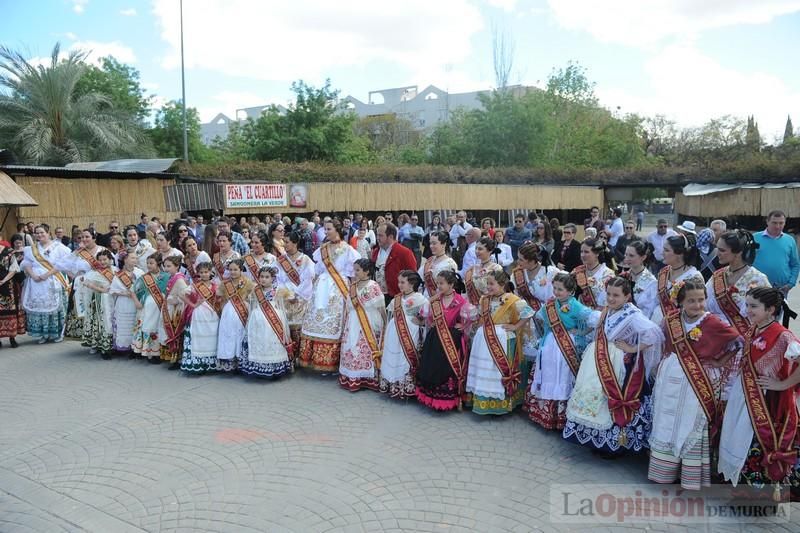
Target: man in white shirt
[460,228]
[657,239]
[617,228]
[470,259]
[321,232]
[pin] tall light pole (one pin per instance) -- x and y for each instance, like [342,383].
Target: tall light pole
[183,98]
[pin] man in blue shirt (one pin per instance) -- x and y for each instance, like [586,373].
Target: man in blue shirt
[517,234]
[238,242]
[777,254]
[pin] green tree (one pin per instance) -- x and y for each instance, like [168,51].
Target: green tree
[167,133]
[120,83]
[752,137]
[44,121]
[788,133]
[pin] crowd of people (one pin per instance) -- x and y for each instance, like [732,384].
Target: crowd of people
[669,344]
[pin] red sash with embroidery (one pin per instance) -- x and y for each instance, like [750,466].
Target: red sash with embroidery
[152,287]
[238,303]
[663,294]
[84,254]
[427,276]
[524,291]
[329,266]
[207,294]
[406,341]
[446,339]
[511,376]
[562,337]
[218,264]
[61,278]
[725,300]
[777,443]
[107,273]
[190,269]
[252,266]
[273,318]
[173,326]
[472,292]
[363,321]
[288,267]
[587,296]
[690,362]
[623,403]
[125,279]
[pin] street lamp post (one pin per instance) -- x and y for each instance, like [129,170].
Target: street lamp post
[183,97]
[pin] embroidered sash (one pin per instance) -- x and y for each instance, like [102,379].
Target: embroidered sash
[107,273]
[152,287]
[84,254]
[49,266]
[329,266]
[446,339]
[363,321]
[427,276]
[252,266]
[125,278]
[207,294]
[238,303]
[219,265]
[406,341]
[190,269]
[472,292]
[273,318]
[288,267]
[623,403]
[524,290]
[511,375]
[663,294]
[173,326]
[582,278]
[562,337]
[726,303]
[778,454]
[690,362]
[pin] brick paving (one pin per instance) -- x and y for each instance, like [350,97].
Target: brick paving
[120,445]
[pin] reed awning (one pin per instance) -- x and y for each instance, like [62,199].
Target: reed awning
[12,195]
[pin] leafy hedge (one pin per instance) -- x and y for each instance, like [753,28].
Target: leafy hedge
[648,175]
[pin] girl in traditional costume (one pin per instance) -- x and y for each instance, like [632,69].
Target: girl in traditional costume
[81,261]
[403,338]
[123,317]
[564,325]
[165,248]
[200,337]
[364,324]
[442,372]
[149,293]
[497,370]
[296,284]
[10,324]
[46,289]
[321,335]
[233,293]
[610,406]
[98,331]
[759,441]
[224,256]
[193,256]
[266,346]
[439,243]
[476,278]
[638,256]
[594,273]
[686,396]
[680,258]
[258,257]
[174,313]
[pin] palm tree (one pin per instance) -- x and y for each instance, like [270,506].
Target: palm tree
[44,122]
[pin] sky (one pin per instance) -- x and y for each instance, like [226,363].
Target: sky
[690,60]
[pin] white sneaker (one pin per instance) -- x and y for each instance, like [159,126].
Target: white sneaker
[42,340]
[92,351]
[61,338]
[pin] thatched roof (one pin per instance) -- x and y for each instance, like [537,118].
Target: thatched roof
[12,195]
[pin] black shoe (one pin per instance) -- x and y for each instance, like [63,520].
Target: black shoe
[105,355]
[13,342]
[132,355]
[154,360]
[174,366]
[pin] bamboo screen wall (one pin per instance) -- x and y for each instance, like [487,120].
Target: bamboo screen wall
[67,201]
[329,197]
[743,202]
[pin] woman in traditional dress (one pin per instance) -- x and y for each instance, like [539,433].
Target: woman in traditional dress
[638,256]
[149,292]
[476,279]
[685,397]
[193,256]
[123,316]
[200,337]
[44,296]
[9,316]
[759,441]
[18,246]
[224,257]
[564,325]
[594,273]
[164,247]
[233,293]
[174,314]
[296,283]
[680,258]
[363,330]
[267,343]
[496,375]
[610,407]
[141,248]
[439,260]
[81,261]
[98,332]
[258,257]
[321,335]
[403,338]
